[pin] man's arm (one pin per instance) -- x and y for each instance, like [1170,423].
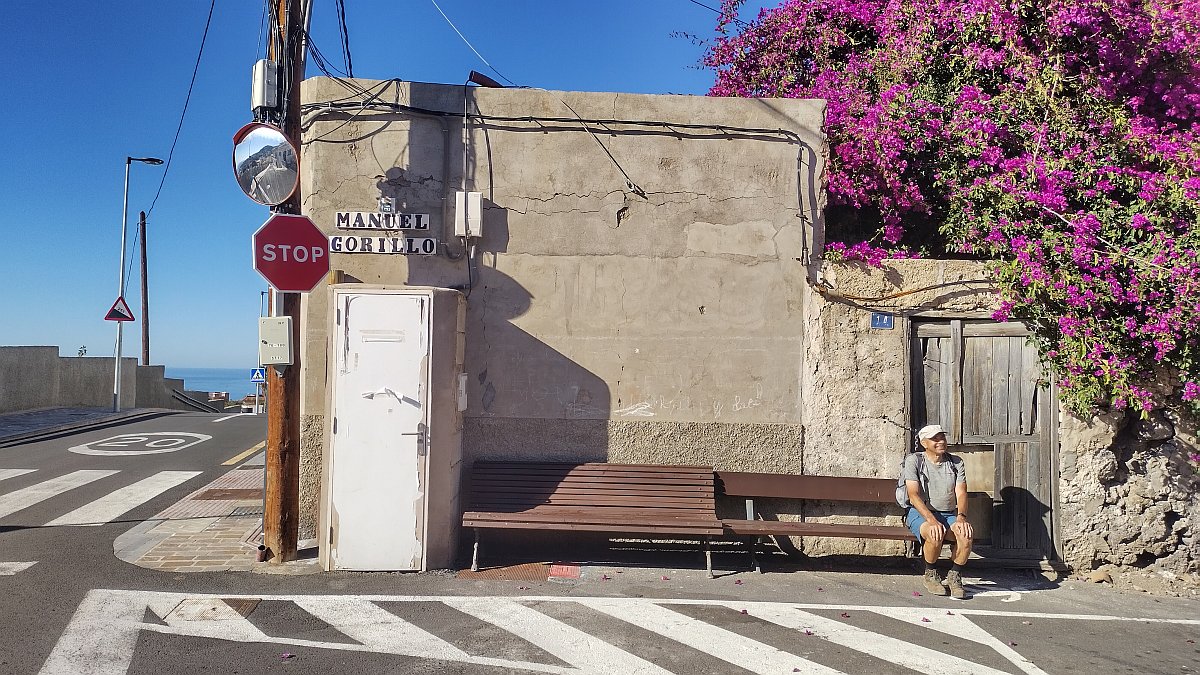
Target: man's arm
[962,526]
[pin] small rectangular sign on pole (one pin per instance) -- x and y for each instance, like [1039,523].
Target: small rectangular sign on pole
[258,375]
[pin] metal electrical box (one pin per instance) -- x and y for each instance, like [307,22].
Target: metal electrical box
[394,433]
[275,341]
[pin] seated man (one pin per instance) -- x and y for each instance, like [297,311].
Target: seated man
[937,493]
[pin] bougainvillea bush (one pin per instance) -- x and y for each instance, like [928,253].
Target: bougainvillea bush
[1058,139]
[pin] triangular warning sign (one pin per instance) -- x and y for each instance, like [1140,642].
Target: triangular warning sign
[119,311]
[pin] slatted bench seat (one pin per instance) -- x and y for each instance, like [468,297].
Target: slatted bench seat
[825,488]
[594,497]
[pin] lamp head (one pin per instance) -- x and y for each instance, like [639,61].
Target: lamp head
[144,160]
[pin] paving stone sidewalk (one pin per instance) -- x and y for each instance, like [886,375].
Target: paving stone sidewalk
[216,528]
[28,424]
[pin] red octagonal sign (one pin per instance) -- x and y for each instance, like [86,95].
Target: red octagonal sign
[291,253]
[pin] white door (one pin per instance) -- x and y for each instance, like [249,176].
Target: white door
[378,449]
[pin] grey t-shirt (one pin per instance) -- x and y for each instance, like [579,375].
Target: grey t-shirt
[940,479]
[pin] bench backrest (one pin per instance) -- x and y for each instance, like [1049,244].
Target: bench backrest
[672,491]
[790,486]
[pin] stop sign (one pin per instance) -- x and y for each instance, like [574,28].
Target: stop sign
[291,253]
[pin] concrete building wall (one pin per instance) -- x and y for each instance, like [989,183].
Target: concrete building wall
[603,323]
[856,378]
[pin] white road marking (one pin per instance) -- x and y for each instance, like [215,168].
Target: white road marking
[143,443]
[586,652]
[117,502]
[229,417]
[102,635]
[379,630]
[13,473]
[920,659]
[961,627]
[723,644]
[40,492]
[7,569]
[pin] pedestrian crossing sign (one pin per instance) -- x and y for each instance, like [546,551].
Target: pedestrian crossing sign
[258,375]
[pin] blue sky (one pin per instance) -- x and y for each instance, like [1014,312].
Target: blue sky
[87,83]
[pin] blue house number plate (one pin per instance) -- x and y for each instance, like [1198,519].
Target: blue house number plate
[882,320]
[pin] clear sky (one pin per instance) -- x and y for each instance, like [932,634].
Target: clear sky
[85,84]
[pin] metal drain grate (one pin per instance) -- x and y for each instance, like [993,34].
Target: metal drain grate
[230,493]
[247,511]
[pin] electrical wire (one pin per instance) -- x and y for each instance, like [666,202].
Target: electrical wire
[186,101]
[341,15]
[736,20]
[468,43]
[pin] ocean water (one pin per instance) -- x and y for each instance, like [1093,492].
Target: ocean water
[236,381]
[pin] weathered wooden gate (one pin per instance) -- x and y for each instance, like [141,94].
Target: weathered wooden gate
[984,384]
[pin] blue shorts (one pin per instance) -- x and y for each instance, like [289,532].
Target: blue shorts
[914,519]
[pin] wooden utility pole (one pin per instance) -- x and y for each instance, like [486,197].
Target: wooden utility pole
[145,295]
[281,506]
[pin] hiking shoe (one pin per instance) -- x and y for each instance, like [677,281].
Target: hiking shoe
[954,581]
[933,584]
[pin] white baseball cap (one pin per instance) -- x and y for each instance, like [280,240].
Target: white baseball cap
[930,431]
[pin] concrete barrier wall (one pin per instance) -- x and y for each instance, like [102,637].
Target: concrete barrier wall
[28,378]
[154,389]
[88,382]
[37,377]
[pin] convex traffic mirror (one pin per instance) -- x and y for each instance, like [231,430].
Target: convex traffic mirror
[265,163]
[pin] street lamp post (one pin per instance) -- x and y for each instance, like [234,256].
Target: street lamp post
[121,277]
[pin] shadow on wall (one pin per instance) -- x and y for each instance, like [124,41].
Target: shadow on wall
[527,400]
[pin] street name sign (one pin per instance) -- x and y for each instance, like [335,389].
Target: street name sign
[291,253]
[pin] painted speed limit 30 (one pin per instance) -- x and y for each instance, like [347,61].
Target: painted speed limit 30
[144,443]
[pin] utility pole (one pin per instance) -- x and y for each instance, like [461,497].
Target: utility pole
[145,296]
[281,506]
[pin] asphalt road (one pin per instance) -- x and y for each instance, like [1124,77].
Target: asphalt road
[80,610]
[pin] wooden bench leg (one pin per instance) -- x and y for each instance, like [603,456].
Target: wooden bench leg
[475,552]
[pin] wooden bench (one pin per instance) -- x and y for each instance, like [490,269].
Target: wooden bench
[612,498]
[825,488]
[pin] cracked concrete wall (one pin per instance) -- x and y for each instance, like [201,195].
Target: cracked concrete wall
[606,320]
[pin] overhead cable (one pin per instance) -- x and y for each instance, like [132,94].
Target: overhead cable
[468,43]
[183,114]
[341,15]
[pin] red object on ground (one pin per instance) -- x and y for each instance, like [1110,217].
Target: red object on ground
[561,571]
[291,253]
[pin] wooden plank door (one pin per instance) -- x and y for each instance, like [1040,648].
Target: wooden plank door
[983,382]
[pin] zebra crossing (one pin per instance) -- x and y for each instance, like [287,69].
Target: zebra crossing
[563,635]
[99,511]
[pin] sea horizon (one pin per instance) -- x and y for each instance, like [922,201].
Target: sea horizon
[236,381]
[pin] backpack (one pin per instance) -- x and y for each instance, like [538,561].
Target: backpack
[902,488]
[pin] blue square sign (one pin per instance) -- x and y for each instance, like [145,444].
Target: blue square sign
[258,375]
[882,320]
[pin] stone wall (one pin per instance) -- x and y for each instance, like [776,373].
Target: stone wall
[1130,499]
